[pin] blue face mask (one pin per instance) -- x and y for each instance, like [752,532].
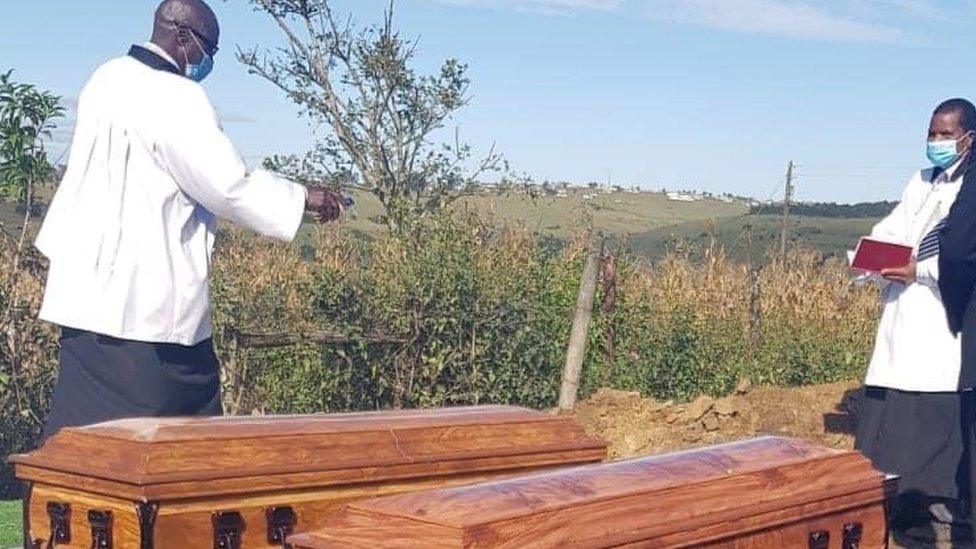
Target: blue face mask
[943,153]
[199,71]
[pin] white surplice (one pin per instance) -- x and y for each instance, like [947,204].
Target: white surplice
[131,229]
[914,349]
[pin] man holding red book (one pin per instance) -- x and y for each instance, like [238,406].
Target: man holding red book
[910,416]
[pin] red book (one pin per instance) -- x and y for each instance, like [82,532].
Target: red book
[874,256]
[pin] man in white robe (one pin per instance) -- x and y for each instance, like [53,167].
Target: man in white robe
[912,411]
[131,229]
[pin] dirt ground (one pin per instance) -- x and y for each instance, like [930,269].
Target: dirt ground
[637,426]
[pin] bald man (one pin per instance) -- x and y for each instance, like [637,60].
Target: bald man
[130,231]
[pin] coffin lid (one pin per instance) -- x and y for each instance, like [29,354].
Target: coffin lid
[626,501]
[153,454]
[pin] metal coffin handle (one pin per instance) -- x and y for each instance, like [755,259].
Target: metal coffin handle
[60,516]
[101,529]
[227,530]
[281,524]
[819,539]
[852,535]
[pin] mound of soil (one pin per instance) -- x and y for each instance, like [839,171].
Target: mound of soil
[637,426]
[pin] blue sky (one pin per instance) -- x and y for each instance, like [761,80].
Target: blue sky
[710,94]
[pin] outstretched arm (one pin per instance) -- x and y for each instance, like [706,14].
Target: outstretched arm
[207,167]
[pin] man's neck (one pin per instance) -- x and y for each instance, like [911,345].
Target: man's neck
[160,51]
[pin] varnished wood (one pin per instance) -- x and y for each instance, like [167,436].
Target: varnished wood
[792,528]
[186,525]
[193,468]
[335,478]
[125,522]
[762,493]
[182,453]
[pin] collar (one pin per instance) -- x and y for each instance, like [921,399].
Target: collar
[953,172]
[155,48]
[149,57]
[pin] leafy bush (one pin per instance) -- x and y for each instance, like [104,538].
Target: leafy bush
[484,315]
[28,359]
[28,348]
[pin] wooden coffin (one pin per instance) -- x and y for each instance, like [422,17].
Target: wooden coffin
[251,481]
[768,492]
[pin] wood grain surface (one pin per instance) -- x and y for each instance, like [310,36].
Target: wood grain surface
[768,490]
[194,468]
[154,459]
[125,521]
[187,523]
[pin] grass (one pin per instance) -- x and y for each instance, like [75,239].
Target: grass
[618,213]
[11,515]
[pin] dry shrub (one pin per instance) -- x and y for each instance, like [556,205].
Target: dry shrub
[688,327]
[28,356]
[260,285]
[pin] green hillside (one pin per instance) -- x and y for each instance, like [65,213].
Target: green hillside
[752,236]
[617,213]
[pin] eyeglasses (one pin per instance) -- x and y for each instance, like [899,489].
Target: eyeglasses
[212,48]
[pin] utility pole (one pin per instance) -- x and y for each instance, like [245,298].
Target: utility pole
[786,208]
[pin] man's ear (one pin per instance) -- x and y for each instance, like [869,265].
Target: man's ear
[182,36]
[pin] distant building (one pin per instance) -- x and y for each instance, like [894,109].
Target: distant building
[680,197]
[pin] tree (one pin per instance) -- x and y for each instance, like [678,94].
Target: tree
[26,120]
[381,116]
[28,346]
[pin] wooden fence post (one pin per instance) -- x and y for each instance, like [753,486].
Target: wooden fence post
[755,309]
[609,282]
[581,326]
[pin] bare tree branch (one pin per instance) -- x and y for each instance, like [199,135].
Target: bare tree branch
[380,114]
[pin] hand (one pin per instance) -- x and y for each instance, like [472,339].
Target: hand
[324,204]
[905,275]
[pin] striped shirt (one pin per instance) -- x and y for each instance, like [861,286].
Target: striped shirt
[929,246]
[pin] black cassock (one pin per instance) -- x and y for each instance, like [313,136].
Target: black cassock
[957,271]
[957,281]
[103,378]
